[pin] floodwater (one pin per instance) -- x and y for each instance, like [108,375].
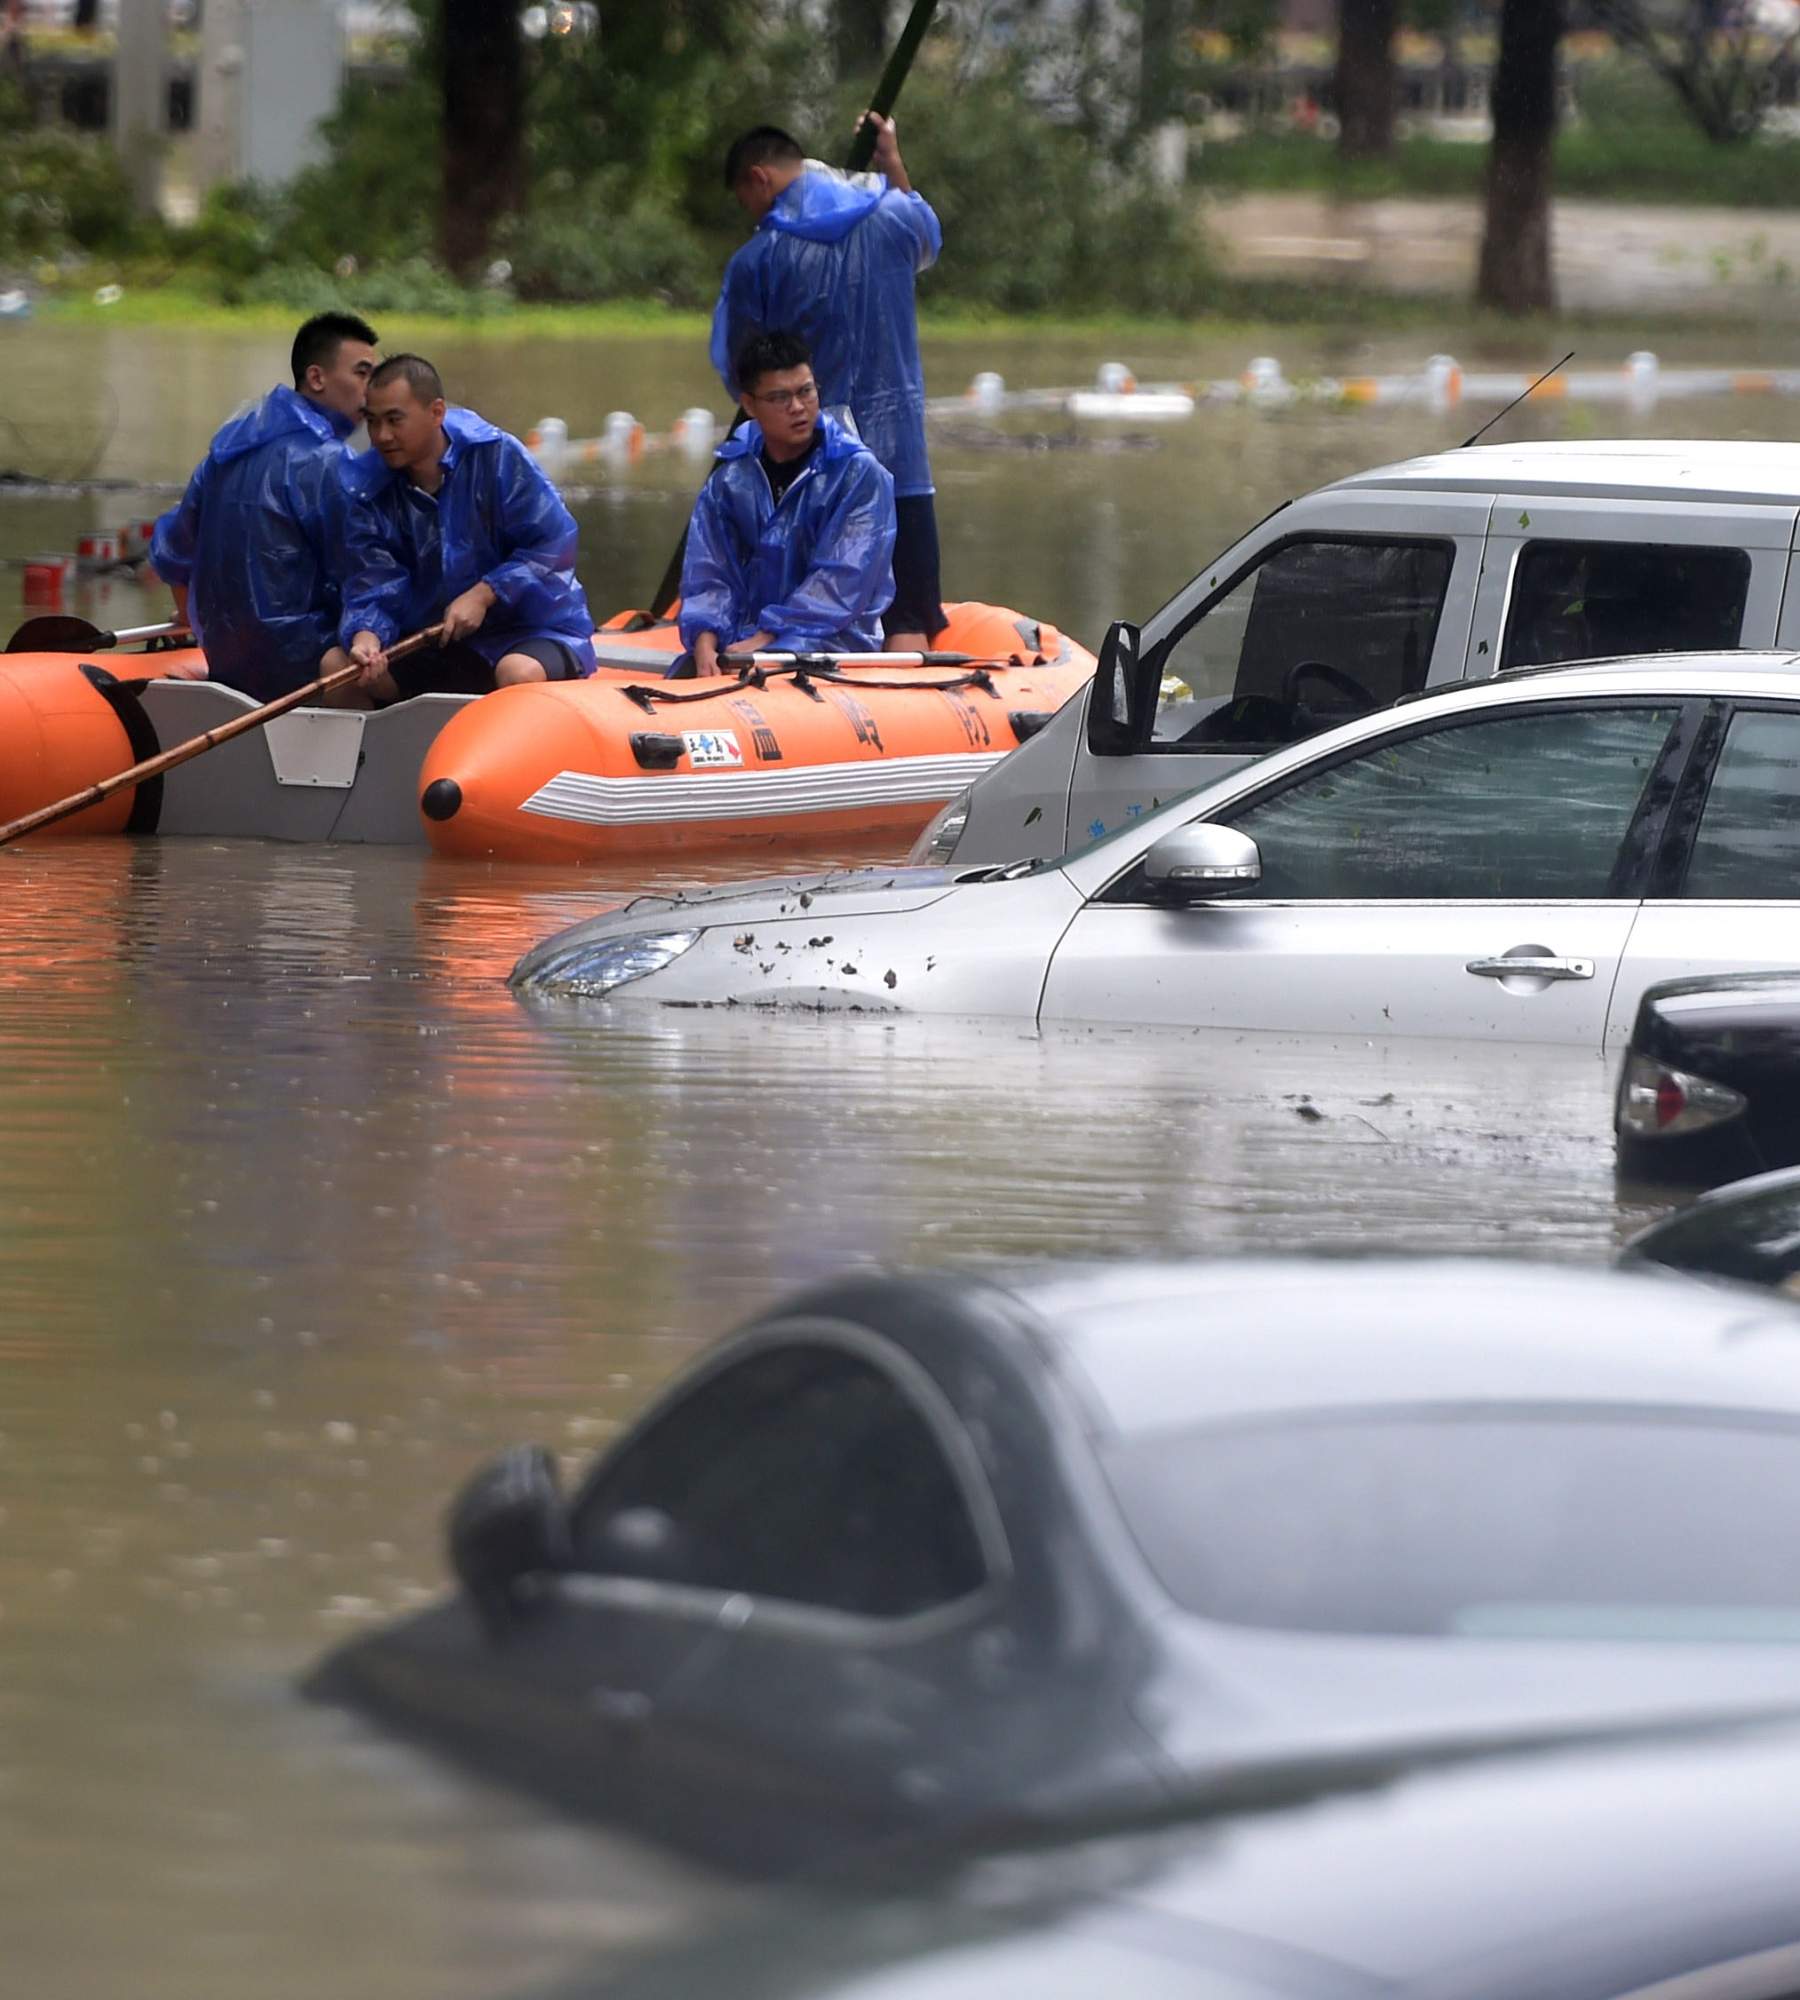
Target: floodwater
[302,1215]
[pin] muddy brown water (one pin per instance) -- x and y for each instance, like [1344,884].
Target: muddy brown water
[302,1216]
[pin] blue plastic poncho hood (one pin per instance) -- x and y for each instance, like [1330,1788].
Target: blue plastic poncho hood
[835,261]
[253,540]
[815,572]
[496,519]
[824,204]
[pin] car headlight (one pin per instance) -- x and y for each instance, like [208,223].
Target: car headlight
[589,967]
[937,844]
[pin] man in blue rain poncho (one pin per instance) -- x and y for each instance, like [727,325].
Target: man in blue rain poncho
[250,551]
[792,541]
[834,258]
[449,520]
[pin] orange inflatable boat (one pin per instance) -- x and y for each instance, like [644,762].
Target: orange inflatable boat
[67,722]
[622,764]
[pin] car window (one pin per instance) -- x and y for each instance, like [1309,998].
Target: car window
[801,1472]
[1596,600]
[1317,632]
[1520,807]
[1560,1522]
[1748,843]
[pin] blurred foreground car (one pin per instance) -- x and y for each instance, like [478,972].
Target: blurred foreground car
[947,1555]
[1666,1869]
[1748,1230]
[1516,858]
[1710,1090]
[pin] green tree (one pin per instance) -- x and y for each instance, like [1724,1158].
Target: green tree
[1722,65]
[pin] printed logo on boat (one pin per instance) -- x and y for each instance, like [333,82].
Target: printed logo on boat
[973,722]
[711,746]
[768,748]
[861,720]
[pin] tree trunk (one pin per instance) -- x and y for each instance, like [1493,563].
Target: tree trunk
[1516,274]
[1364,81]
[1156,62]
[483,56]
[858,38]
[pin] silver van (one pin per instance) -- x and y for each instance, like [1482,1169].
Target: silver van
[1438,569]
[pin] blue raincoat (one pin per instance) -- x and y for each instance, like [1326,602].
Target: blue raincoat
[834,261]
[254,542]
[495,519]
[815,572]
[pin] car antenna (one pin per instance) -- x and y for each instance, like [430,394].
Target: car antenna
[1516,401]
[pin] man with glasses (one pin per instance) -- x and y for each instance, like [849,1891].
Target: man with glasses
[835,257]
[791,547]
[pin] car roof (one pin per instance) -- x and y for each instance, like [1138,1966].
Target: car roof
[1590,1868]
[1159,1347]
[1705,992]
[1688,469]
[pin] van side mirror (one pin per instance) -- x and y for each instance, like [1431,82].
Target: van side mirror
[507,1527]
[1115,698]
[1197,862]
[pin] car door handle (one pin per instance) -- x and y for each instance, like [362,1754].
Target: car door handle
[1531,968]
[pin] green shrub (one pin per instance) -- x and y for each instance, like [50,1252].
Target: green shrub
[603,239]
[1036,219]
[61,191]
[411,284]
[376,194]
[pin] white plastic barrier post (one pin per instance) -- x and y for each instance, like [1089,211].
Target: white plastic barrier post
[695,432]
[1265,381]
[1641,371]
[988,392]
[1443,382]
[621,438]
[549,441]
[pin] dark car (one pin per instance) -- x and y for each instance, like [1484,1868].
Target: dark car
[1662,1869]
[1710,1089]
[951,1553]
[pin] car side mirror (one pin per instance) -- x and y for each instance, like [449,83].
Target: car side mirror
[507,1527]
[1197,862]
[1115,698]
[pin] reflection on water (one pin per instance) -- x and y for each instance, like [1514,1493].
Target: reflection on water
[301,1216]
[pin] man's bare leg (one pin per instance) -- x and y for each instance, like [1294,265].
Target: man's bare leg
[906,642]
[352,694]
[516,669]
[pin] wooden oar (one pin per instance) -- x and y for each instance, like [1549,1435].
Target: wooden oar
[56,634]
[239,725]
[862,150]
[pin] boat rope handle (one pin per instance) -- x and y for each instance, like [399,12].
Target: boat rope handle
[648,698]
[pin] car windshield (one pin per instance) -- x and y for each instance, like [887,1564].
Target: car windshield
[1543,1523]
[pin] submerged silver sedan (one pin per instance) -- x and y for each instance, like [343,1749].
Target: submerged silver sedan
[1516,858]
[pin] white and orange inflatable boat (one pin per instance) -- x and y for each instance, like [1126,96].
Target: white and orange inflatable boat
[622,764]
[625,762]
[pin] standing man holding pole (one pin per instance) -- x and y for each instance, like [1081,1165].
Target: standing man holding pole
[835,257]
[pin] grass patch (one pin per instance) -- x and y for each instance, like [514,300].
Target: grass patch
[1664,160]
[1237,306]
